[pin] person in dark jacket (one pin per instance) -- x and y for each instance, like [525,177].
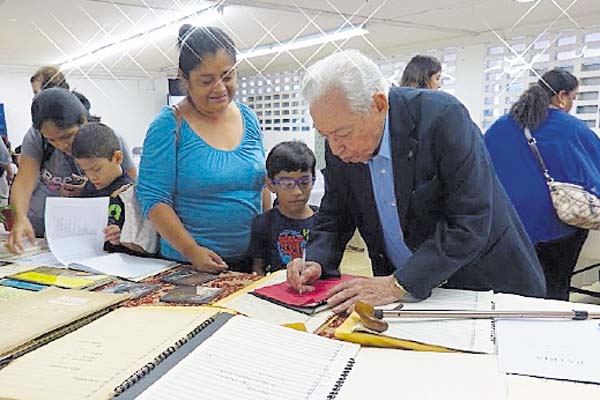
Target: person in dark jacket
[409,168]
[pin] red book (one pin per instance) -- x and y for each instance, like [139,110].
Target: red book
[283,294]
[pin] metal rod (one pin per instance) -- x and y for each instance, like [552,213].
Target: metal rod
[573,314]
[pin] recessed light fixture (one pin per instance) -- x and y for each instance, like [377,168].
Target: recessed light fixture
[124,44]
[524,1]
[303,42]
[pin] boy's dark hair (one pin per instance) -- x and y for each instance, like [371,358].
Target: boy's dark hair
[532,107]
[95,140]
[49,77]
[195,42]
[59,106]
[419,71]
[290,156]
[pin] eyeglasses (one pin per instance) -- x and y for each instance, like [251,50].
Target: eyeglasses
[288,183]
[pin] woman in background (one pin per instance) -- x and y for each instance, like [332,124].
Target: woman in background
[46,167]
[571,152]
[47,77]
[423,72]
[202,188]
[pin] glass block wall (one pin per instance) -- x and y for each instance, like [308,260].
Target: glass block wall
[507,75]
[278,104]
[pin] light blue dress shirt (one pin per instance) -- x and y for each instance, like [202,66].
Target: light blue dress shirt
[382,179]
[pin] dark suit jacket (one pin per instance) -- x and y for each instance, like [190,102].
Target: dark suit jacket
[456,218]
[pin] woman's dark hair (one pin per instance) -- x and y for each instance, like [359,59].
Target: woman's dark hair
[59,106]
[419,71]
[195,42]
[290,156]
[49,77]
[532,107]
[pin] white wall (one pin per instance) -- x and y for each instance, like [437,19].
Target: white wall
[469,79]
[128,106]
[270,139]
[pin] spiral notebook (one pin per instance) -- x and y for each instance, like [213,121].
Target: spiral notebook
[92,361]
[246,359]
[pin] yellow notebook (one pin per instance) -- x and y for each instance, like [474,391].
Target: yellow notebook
[62,277]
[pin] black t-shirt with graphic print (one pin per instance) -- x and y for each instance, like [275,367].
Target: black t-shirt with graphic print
[278,239]
[116,208]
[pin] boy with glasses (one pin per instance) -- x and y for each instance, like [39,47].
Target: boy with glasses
[280,234]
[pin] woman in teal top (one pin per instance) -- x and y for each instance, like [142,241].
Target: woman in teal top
[202,192]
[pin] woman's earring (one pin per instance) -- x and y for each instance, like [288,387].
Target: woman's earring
[561,104]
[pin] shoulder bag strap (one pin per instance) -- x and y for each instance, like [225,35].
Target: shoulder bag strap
[178,118]
[536,152]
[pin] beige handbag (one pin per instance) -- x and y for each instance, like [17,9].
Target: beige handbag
[573,204]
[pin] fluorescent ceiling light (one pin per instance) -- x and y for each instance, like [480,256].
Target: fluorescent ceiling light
[167,27]
[303,42]
[524,1]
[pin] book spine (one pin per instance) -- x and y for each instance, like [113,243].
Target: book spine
[140,373]
[338,385]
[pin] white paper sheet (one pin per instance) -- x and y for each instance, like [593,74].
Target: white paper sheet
[46,259]
[125,266]
[465,334]
[550,348]
[250,359]
[74,227]
[420,375]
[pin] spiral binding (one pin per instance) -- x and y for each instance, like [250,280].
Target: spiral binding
[140,373]
[338,385]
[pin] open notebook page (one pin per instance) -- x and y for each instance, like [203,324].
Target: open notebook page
[93,360]
[26,318]
[249,359]
[74,227]
[466,334]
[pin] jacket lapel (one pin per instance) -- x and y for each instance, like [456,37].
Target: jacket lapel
[403,136]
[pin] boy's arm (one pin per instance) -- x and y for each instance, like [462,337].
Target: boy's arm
[258,247]
[259,266]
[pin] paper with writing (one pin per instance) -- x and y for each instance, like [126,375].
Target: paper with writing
[466,335]
[26,318]
[561,349]
[250,359]
[93,360]
[74,227]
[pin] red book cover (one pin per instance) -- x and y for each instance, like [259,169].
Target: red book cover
[283,293]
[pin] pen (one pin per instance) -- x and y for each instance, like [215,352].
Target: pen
[303,267]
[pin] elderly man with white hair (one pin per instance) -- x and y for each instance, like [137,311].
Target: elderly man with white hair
[409,169]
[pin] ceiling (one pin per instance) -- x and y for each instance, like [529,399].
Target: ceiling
[38,32]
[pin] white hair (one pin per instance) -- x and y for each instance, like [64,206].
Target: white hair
[350,71]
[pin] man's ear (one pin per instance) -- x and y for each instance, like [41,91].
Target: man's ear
[381,102]
[118,157]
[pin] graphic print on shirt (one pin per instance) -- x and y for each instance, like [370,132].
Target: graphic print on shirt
[290,244]
[54,182]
